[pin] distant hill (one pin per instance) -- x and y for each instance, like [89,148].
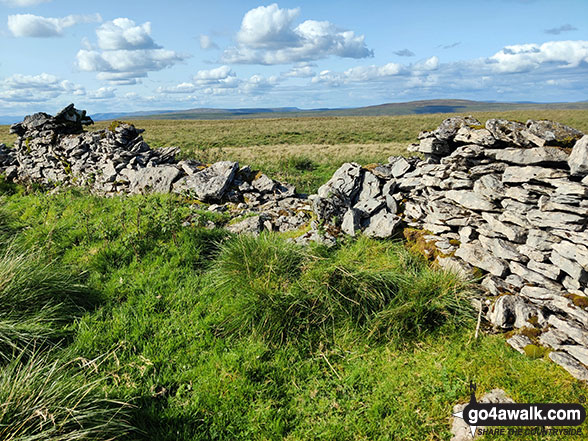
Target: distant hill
[408,108]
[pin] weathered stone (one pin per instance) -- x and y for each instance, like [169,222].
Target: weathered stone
[369,206]
[580,353]
[541,240]
[509,311]
[263,184]
[573,251]
[510,132]
[553,338]
[345,183]
[578,160]
[457,266]
[549,271]
[351,222]
[489,187]
[154,179]
[209,184]
[501,249]
[468,135]
[515,174]
[532,156]
[570,329]
[530,275]
[570,267]
[400,166]
[556,219]
[538,293]
[475,255]
[495,285]
[470,200]
[519,342]
[450,126]
[553,133]
[514,233]
[251,225]
[570,364]
[433,146]
[370,187]
[382,225]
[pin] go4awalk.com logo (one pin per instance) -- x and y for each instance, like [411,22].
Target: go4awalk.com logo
[539,416]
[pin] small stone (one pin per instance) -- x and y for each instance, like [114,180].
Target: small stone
[475,255]
[519,342]
[570,364]
[470,200]
[578,160]
[351,222]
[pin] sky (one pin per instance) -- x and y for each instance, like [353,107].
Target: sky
[117,56]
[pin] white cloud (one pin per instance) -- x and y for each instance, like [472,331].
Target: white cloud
[526,57]
[23,3]
[429,64]
[268,36]
[28,25]
[179,88]
[103,93]
[300,71]
[37,88]
[123,34]
[127,52]
[207,43]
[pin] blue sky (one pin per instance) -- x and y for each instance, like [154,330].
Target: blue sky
[141,55]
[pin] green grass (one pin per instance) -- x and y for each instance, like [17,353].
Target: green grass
[215,337]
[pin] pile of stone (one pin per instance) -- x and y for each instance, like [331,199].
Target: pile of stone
[55,150]
[507,200]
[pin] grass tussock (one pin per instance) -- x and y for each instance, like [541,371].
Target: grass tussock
[282,292]
[49,399]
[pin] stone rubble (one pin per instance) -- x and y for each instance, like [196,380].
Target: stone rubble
[508,198]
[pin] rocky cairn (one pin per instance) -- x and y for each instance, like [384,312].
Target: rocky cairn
[505,201]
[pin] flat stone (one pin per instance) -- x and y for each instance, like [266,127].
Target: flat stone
[570,364]
[509,132]
[547,204]
[515,174]
[470,200]
[450,126]
[556,219]
[532,156]
[370,187]
[489,187]
[154,179]
[251,225]
[468,135]
[519,342]
[399,167]
[433,146]
[475,255]
[552,132]
[509,311]
[457,266]
[578,160]
[573,269]
[532,253]
[263,184]
[514,233]
[209,184]
[383,225]
[573,251]
[351,222]
[553,338]
[550,271]
[501,249]
[539,293]
[345,182]
[580,353]
[570,329]
[369,206]
[530,275]
[541,240]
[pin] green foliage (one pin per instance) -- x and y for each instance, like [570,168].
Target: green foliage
[54,400]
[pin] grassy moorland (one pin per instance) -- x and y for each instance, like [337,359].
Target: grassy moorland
[118,322]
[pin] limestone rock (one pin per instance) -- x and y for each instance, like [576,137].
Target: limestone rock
[570,364]
[157,179]
[532,156]
[351,222]
[475,255]
[515,174]
[578,160]
[382,225]
[211,183]
[519,342]
[553,133]
[470,200]
[251,225]
[509,311]
[345,183]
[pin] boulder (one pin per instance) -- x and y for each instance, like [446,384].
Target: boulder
[209,184]
[533,156]
[382,225]
[157,179]
[510,311]
[345,183]
[553,133]
[578,160]
[474,254]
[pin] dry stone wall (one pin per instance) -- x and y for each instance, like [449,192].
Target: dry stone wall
[507,200]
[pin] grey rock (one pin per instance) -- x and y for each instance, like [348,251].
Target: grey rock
[383,225]
[539,293]
[509,132]
[450,126]
[263,184]
[570,364]
[578,160]
[580,353]
[370,187]
[509,311]
[532,156]
[573,251]
[493,167]
[468,135]
[351,222]
[475,255]
[345,183]
[556,219]
[433,146]
[519,342]
[541,240]
[550,271]
[457,266]
[369,206]
[495,285]
[211,183]
[515,174]
[553,338]
[400,166]
[570,329]
[531,276]
[490,187]
[470,200]
[553,133]
[154,179]
[514,233]
[570,267]
[251,225]
[501,249]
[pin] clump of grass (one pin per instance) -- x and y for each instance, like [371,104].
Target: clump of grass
[50,400]
[36,300]
[280,292]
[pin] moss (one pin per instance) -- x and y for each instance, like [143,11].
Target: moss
[454,242]
[371,166]
[477,126]
[532,333]
[534,351]
[416,242]
[114,124]
[534,320]
[577,300]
